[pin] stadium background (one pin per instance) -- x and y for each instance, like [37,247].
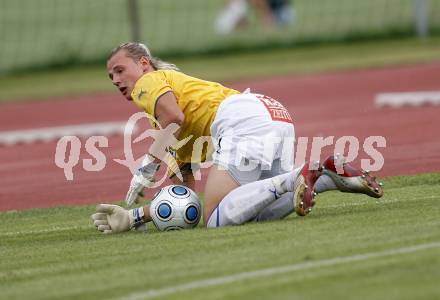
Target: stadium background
[326,67]
[45,33]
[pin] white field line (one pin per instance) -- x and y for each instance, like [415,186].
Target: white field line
[53,133]
[377,201]
[49,230]
[411,99]
[233,278]
[58,229]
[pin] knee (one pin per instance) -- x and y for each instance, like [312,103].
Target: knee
[231,217]
[223,217]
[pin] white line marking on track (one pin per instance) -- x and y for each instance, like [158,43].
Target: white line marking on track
[149,294]
[412,99]
[53,133]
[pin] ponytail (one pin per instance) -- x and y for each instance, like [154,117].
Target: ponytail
[159,64]
[137,50]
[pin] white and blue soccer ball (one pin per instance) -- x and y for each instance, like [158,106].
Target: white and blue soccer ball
[175,207]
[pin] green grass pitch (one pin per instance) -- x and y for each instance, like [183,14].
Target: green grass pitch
[350,247]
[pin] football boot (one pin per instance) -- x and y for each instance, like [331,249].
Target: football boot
[350,179]
[303,193]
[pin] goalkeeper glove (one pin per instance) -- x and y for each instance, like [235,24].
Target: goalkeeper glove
[144,177]
[111,218]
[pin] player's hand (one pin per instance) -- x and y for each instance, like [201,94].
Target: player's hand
[111,218]
[144,177]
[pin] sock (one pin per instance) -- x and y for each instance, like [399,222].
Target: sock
[324,183]
[245,202]
[277,210]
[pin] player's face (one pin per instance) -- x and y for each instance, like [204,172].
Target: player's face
[124,72]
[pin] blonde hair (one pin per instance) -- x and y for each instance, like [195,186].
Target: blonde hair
[137,50]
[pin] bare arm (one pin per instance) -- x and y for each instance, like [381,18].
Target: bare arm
[188,180]
[168,112]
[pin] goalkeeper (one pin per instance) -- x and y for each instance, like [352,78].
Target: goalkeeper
[242,185]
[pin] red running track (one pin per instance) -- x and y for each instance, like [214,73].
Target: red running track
[333,104]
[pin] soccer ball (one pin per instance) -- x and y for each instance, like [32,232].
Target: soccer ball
[175,207]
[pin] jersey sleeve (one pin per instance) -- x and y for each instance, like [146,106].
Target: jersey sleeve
[149,88]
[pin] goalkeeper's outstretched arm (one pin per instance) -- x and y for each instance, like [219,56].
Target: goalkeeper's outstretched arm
[110,218]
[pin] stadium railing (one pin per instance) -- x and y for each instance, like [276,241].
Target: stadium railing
[50,33]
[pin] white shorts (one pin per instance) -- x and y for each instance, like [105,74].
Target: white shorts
[250,132]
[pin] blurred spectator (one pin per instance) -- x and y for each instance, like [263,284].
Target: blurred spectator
[269,12]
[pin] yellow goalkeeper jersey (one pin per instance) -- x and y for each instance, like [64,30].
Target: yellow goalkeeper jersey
[198,99]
